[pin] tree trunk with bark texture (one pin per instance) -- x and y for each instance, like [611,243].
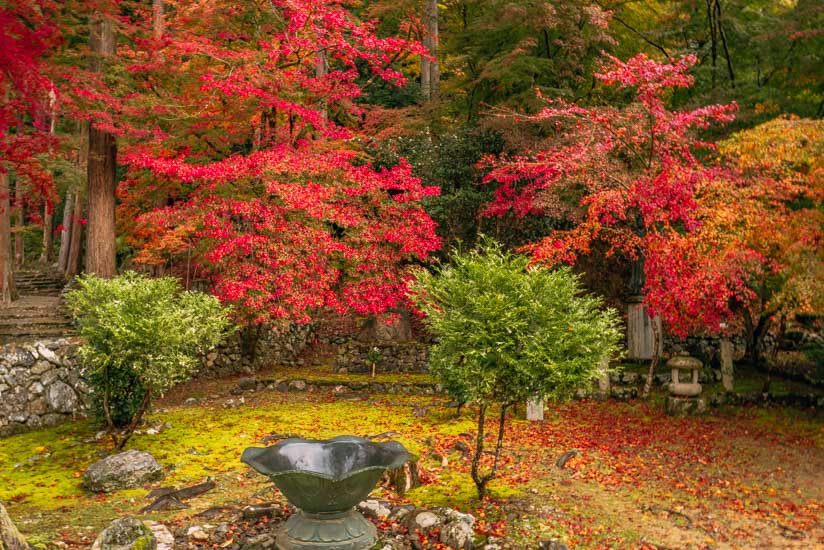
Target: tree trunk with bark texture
[430,69]
[19,225]
[8,292]
[10,537]
[76,242]
[48,241]
[102,173]
[65,233]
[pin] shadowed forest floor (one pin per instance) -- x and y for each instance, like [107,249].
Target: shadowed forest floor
[738,478]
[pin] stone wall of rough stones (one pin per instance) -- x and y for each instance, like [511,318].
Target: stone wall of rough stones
[40,385]
[408,357]
[40,382]
[274,347]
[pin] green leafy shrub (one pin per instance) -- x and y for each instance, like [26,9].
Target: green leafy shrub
[508,332]
[142,337]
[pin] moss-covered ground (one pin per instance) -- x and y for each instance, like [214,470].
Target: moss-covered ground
[738,478]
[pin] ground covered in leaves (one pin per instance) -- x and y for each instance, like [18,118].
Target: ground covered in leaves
[738,478]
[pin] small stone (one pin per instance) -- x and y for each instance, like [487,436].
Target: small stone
[47,354]
[372,508]
[298,385]
[259,542]
[40,367]
[126,534]
[425,520]
[458,535]
[196,532]
[190,401]
[165,539]
[122,471]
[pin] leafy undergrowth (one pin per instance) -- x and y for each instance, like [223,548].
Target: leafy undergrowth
[739,478]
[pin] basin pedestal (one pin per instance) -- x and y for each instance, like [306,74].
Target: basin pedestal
[335,531]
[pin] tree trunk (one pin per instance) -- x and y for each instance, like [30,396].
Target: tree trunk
[479,449]
[158,19]
[65,233]
[19,225]
[430,69]
[321,70]
[48,223]
[10,537]
[8,291]
[48,209]
[102,173]
[76,242]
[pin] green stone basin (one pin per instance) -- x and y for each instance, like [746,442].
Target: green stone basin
[326,480]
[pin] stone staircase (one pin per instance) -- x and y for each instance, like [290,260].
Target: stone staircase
[35,282]
[38,313]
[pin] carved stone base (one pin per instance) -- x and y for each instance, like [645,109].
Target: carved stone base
[685,406]
[337,531]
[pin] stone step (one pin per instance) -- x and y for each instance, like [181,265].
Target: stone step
[7,337]
[51,320]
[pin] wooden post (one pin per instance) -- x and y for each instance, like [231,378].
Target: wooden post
[535,410]
[726,364]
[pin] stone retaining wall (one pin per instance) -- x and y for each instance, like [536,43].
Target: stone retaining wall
[274,347]
[40,385]
[357,357]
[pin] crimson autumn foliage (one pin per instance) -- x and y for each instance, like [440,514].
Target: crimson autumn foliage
[756,259]
[628,177]
[252,161]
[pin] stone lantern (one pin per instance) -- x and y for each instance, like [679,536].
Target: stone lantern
[685,397]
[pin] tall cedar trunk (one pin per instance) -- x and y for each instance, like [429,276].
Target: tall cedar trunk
[76,243]
[102,172]
[430,69]
[19,215]
[65,233]
[48,213]
[48,228]
[8,292]
[321,70]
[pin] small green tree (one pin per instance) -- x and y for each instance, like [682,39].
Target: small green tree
[142,337]
[507,332]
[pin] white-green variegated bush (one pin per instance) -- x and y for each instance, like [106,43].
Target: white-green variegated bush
[507,332]
[141,337]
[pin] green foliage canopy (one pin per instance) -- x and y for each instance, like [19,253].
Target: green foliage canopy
[507,331]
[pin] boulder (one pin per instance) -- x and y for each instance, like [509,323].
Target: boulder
[62,398]
[10,537]
[122,471]
[685,406]
[126,534]
[458,535]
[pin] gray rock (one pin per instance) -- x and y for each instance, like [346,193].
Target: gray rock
[126,534]
[298,385]
[40,367]
[425,520]
[265,541]
[47,354]
[164,537]
[458,535]
[122,471]
[62,398]
[372,508]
